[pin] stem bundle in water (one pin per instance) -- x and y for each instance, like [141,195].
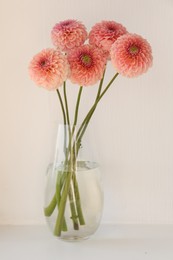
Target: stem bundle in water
[67,187]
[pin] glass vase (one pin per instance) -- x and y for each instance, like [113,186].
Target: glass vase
[73,193]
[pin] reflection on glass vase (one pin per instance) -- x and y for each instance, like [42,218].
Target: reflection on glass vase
[73,193]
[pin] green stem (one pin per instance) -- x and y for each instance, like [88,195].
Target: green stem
[76,112]
[70,193]
[91,111]
[75,184]
[76,189]
[107,87]
[50,208]
[66,103]
[64,118]
[80,135]
[78,201]
[59,177]
[62,199]
[59,185]
[97,97]
[59,221]
[70,174]
[73,191]
[100,85]
[68,121]
[62,106]
[77,106]
[56,200]
[74,215]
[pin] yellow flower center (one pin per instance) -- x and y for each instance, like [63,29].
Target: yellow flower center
[43,63]
[134,49]
[86,59]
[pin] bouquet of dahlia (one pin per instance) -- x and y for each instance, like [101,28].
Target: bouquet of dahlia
[81,58]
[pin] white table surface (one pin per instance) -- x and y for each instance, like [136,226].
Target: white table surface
[119,242]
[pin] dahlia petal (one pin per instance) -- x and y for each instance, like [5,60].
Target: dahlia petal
[87,65]
[105,33]
[127,63]
[49,69]
[68,34]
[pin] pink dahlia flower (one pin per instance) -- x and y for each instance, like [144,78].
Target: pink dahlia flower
[105,33]
[49,69]
[87,65]
[131,55]
[68,34]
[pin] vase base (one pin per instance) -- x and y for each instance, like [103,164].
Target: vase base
[73,238]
